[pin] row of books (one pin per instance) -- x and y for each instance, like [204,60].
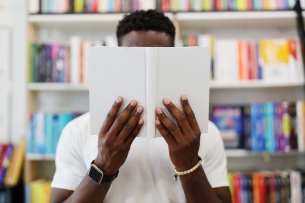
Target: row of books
[106,6]
[225,5]
[11,161]
[278,186]
[88,6]
[234,60]
[63,63]
[38,191]
[261,126]
[45,130]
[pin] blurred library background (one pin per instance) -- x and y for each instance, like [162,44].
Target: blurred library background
[256,91]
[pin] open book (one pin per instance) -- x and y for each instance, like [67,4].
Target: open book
[148,74]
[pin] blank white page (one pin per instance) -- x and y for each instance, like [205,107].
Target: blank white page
[115,72]
[185,70]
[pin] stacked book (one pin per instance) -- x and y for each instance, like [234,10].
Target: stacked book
[88,6]
[261,127]
[45,130]
[38,191]
[285,186]
[241,60]
[225,5]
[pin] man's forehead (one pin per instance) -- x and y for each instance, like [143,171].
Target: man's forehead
[146,39]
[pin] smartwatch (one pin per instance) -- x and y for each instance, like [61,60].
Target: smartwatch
[98,176]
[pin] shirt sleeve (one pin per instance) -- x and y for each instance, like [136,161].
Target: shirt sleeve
[70,167]
[215,161]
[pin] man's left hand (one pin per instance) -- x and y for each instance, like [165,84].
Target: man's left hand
[183,139]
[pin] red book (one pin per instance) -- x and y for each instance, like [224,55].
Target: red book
[236,188]
[192,41]
[4,148]
[243,60]
[94,6]
[272,188]
[218,5]
[261,186]
[249,5]
[254,75]
[292,48]
[249,62]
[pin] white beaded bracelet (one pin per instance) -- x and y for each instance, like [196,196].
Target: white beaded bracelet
[178,173]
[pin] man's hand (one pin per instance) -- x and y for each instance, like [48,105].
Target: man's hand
[183,140]
[117,135]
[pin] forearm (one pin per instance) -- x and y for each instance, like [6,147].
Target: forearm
[197,188]
[89,191]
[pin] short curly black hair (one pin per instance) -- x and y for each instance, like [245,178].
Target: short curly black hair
[146,20]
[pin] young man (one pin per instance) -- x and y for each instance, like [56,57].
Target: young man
[139,169]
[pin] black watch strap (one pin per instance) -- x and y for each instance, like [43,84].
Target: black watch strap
[105,178]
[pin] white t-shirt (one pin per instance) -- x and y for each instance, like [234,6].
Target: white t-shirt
[147,176]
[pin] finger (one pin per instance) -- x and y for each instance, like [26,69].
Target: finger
[170,140]
[129,126]
[134,133]
[178,115]
[190,115]
[111,115]
[122,118]
[170,125]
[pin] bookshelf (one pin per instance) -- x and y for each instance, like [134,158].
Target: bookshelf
[244,25]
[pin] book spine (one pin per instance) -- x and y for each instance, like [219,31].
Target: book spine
[270,142]
[61,64]
[249,61]
[257,4]
[4,148]
[33,63]
[225,5]
[253,61]
[260,127]
[5,164]
[78,6]
[258,65]
[55,132]
[277,125]
[67,65]
[254,140]
[42,64]
[71,6]
[48,64]
[219,5]
[33,6]
[54,61]
[48,132]
[75,60]
[40,139]
[293,58]
[300,124]
[81,67]
[243,61]
[95,6]
[244,192]
[247,127]
[236,188]
[267,187]
[231,5]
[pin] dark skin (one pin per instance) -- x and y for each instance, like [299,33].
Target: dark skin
[118,132]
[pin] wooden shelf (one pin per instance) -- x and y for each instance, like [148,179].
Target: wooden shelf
[40,157]
[213,85]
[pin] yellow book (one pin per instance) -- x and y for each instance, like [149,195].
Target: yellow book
[268,4]
[206,5]
[274,52]
[35,190]
[78,6]
[16,164]
[241,5]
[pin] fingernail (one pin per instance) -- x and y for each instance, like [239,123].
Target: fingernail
[166,101]
[140,109]
[141,121]
[159,111]
[157,122]
[118,100]
[133,103]
[183,97]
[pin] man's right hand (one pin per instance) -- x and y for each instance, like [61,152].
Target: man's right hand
[117,135]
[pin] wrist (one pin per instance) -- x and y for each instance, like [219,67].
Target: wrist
[108,171]
[187,165]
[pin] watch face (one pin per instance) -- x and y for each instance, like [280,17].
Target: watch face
[95,174]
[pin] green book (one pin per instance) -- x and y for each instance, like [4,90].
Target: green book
[225,4]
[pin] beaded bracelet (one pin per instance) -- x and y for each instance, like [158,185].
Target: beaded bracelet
[178,173]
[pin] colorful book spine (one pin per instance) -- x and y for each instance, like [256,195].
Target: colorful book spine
[270,143]
[5,164]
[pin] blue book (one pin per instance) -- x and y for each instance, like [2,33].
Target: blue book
[5,164]
[253,111]
[229,121]
[244,188]
[61,58]
[48,132]
[40,136]
[62,120]
[286,5]
[110,5]
[257,5]
[260,128]
[259,66]
[27,192]
[270,146]
[30,139]
[55,132]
